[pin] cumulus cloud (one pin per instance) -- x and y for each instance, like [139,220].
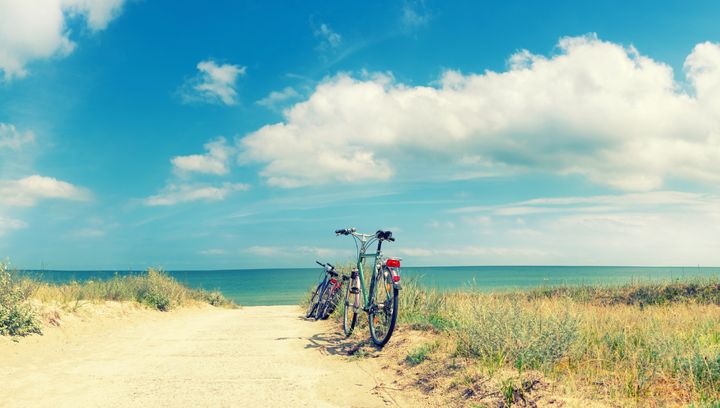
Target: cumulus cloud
[33,30]
[13,139]
[214,83]
[596,109]
[26,192]
[215,161]
[182,193]
[276,98]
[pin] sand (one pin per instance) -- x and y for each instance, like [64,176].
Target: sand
[251,357]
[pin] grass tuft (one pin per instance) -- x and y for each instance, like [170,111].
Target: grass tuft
[420,354]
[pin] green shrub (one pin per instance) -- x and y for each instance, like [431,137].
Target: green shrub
[16,316]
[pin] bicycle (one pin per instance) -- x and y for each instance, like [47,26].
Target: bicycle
[329,278]
[381,303]
[329,297]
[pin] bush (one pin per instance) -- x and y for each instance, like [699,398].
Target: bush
[16,316]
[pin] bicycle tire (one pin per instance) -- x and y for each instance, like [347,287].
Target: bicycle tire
[323,301]
[332,303]
[348,310]
[314,301]
[382,316]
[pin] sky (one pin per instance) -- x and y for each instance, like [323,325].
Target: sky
[241,134]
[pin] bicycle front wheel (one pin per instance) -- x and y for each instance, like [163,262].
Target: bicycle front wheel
[350,301]
[384,308]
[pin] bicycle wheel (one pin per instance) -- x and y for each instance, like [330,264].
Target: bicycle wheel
[332,302]
[349,310]
[314,301]
[322,304]
[384,308]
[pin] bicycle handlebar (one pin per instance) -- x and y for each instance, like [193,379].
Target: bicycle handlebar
[319,263]
[380,234]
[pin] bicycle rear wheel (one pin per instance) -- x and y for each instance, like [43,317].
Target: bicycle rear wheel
[314,301]
[333,301]
[350,300]
[384,308]
[322,304]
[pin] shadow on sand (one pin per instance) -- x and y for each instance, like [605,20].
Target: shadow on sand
[335,344]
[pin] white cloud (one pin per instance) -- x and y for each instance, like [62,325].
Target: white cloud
[414,15]
[26,192]
[182,193]
[87,233]
[329,39]
[97,13]
[213,252]
[435,224]
[9,224]
[33,30]
[596,109]
[328,254]
[652,228]
[215,161]
[213,84]
[276,98]
[260,250]
[471,252]
[600,203]
[12,138]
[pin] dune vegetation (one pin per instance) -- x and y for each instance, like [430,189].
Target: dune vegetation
[153,289]
[643,344]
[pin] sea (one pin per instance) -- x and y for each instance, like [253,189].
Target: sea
[255,287]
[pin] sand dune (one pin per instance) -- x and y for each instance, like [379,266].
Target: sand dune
[251,357]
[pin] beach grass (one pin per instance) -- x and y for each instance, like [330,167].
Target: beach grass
[153,289]
[17,317]
[639,344]
[654,343]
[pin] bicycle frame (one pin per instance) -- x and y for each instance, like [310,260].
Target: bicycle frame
[363,242]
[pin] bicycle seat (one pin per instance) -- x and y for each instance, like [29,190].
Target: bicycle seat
[384,235]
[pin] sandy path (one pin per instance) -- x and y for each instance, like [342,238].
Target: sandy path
[252,357]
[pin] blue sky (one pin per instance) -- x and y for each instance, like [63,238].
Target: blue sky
[189,135]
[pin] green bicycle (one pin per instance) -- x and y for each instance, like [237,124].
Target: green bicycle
[380,301]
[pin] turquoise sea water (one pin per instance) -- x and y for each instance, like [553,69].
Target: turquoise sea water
[253,287]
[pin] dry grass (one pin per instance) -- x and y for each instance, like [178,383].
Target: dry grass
[653,344]
[154,289]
